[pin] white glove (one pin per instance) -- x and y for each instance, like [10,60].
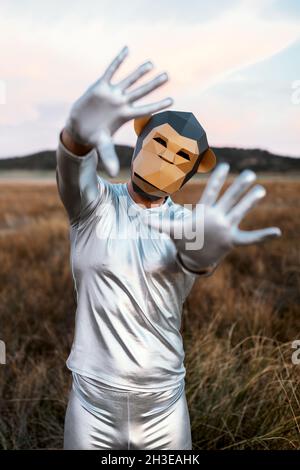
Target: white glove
[205,236]
[105,107]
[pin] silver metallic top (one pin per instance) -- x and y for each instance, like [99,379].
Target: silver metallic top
[130,286]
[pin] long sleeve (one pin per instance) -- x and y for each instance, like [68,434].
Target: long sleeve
[201,272]
[77,182]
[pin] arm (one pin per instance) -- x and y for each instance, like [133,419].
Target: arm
[205,237]
[92,121]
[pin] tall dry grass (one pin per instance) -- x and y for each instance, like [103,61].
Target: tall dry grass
[238,325]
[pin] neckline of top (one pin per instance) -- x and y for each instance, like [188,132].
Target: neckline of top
[161,207]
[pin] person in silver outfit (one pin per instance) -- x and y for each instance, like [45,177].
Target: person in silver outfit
[135,255]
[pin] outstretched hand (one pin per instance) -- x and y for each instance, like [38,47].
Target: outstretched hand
[218,221]
[105,107]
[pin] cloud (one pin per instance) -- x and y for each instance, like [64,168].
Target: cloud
[143,11]
[51,52]
[253,107]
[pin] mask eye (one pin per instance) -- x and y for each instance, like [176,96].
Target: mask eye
[160,141]
[183,154]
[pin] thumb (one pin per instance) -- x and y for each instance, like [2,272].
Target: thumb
[107,154]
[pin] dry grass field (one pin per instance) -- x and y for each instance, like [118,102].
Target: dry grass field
[243,389]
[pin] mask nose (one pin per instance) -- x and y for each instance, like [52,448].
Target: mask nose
[168,155]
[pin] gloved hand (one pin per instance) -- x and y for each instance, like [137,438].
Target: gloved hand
[105,107]
[206,236]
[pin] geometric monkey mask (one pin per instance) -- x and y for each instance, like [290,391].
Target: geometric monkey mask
[171,147]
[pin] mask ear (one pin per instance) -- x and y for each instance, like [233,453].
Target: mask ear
[140,123]
[208,161]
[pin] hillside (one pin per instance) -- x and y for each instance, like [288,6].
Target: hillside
[238,158]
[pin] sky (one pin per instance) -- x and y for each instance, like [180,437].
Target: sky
[234,63]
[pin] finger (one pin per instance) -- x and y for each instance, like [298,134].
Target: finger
[246,203]
[256,236]
[135,76]
[115,64]
[233,193]
[107,154]
[149,108]
[214,184]
[147,88]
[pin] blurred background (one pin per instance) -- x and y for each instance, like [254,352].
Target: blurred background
[235,65]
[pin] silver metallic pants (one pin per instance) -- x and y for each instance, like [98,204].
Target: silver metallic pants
[100,417]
